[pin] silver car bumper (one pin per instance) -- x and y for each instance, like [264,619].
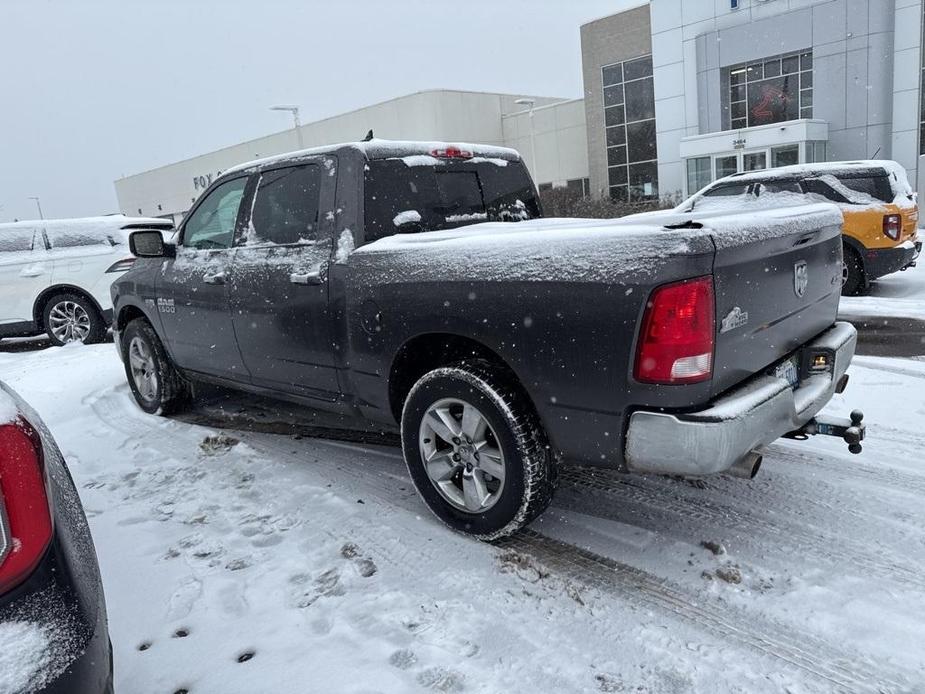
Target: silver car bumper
[752,415]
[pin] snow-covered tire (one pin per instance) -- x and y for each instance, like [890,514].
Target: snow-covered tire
[526,486]
[855,278]
[166,391]
[70,317]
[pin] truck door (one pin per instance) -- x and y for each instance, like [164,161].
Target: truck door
[192,289]
[279,284]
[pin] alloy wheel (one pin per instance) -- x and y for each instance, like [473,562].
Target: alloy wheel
[69,322]
[461,455]
[144,370]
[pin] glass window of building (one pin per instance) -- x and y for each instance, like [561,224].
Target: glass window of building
[726,166]
[785,156]
[771,91]
[698,173]
[629,121]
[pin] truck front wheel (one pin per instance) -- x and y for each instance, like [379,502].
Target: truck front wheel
[476,451]
[155,382]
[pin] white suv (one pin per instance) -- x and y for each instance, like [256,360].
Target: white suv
[55,274]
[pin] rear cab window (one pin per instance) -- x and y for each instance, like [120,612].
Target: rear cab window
[423,193]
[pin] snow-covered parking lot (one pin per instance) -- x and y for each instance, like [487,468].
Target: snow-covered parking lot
[279,562]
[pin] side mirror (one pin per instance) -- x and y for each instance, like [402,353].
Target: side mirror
[149,244]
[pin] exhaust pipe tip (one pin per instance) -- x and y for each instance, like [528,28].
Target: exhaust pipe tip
[747,466]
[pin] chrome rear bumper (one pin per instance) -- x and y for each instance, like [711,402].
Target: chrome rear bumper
[754,414]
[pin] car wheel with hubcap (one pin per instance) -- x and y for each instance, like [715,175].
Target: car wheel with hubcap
[155,382]
[73,318]
[476,451]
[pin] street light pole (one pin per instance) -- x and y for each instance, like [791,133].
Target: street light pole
[38,204]
[531,103]
[294,110]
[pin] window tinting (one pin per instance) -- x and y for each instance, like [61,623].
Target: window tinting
[286,206]
[781,187]
[876,186]
[640,100]
[641,137]
[727,189]
[75,238]
[634,69]
[16,240]
[629,119]
[212,224]
[446,195]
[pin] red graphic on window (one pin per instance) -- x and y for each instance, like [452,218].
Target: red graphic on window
[774,104]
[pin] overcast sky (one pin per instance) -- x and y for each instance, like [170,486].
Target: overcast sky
[91,90]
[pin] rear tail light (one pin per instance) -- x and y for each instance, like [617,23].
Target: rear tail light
[677,340]
[25,518]
[122,265]
[892,226]
[451,153]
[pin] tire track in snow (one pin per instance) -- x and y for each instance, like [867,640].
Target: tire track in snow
[849,672]
[814,543]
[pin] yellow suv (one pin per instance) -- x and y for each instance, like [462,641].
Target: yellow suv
[878,206]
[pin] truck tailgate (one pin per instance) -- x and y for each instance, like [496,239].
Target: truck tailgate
[777,278]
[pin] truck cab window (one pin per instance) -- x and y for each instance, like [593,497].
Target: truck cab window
[444,195]
[211,225]
[286,207]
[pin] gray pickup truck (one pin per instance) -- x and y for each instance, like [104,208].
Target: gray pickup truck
[418,284]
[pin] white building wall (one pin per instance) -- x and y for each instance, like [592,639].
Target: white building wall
[907,63]
[432,115]
[561,141]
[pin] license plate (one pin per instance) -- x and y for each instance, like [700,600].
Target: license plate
[790,371]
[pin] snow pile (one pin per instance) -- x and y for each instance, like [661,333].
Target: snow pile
[8,410]
[23,655]
[421,160]
[406,217]
[345,246]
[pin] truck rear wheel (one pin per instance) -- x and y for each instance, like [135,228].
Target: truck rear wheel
[476,451]
[855,279]
[155,382]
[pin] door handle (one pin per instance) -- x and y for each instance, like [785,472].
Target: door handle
[215,277]
[316,276]
[32,271]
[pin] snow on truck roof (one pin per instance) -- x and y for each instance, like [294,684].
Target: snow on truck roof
[383,149]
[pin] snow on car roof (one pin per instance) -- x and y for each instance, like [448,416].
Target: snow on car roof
[113,221]
[382,149]
[828,167]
